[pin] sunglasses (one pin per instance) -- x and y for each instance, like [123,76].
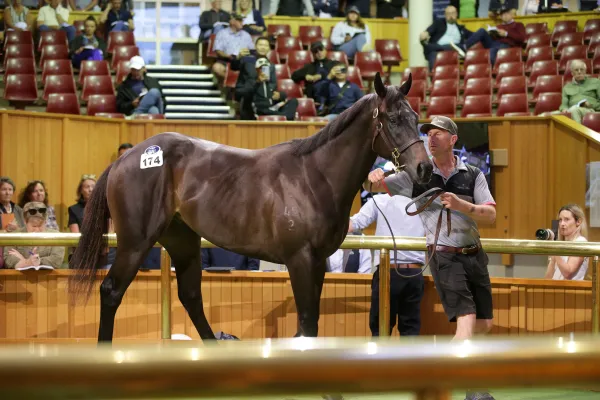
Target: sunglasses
[34,211]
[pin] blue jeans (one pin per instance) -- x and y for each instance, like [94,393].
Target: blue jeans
[151,103]
[331,117]
[355,44]
[120,26]
[69,30]
[488,42]
[431,50]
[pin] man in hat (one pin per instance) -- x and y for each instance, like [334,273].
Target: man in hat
[314,74]
[458,263]
[339,92]
[246,82]
[231,43]
[267,100]
[139,93]
[507,34]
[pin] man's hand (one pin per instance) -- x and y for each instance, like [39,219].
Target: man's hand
[424,36]
[276,96]
[262,77]
[136,102]
[376,176]
[502,32]
[243,53]
[79,50]
[452,202]
[347,38]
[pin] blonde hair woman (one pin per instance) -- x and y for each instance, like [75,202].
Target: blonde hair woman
[572,227]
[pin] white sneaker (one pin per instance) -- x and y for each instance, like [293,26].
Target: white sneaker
[460,51]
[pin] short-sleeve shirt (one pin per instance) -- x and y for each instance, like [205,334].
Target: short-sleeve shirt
[231,43]
[580,275]
[47,15]
[464,229]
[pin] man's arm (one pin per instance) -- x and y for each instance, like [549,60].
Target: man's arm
[364,217]
[485,213]
[365,261]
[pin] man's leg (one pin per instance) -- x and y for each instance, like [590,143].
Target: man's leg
[409,303]
[331,117]
[481,35]
[289,109]
[45,28]
[70,31]
[494,50]
[151,99]
[431,50]
[219,70]
[374,311]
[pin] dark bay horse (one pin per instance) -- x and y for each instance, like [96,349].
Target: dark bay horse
[288,203]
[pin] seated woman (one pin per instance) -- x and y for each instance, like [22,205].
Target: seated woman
[27,256]
[84,192]
[351,35]
[16,17]
[253,22]
[36,191]
[87,46]
[116,19]
[572,226]
[12,214]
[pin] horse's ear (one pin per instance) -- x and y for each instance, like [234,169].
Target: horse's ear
[405,88]
[379,86]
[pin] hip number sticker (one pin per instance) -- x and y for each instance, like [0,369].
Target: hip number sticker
[152,157]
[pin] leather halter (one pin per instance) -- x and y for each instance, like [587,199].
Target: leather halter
[380,130]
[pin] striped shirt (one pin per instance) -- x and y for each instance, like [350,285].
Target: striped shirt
[230,42]
[464,229]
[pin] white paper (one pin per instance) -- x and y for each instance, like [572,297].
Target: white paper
[37,268]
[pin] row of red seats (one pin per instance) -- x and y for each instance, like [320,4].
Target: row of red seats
[60,38]
[99,105]
[560,27]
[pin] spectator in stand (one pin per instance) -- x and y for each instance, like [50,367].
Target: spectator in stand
[340,93]
[84,5]
[87,46]
[466,8]
[126,5]
[16,17]
[230,44]
[325,8]
[55,17]
[213,20]
[351,35]
[507,34]
[10,213]
[292,8]
[218,257]
[36,191]
[116,19]
[267,100]
[496,7]
[350,260]
[246,82]
[530,7]
[84,191]
[139,93]
[35,214]
[439,36]
[124,148]
[315,73]
[390,8]
[582,94]
[253,22]
[554,6]
[363,7]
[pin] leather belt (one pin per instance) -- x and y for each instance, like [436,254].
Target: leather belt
[455,250]
[406,266]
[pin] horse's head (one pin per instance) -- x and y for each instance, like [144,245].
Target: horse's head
[396,133]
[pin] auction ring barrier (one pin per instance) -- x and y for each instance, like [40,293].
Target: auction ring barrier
[382,243]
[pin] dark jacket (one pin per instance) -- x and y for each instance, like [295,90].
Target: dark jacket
[209,18]
[390,9]
[496,5]
[79,42]
[258,20]
[337,105]
[244,87]
[363,5]
[263,93]
[311,69]
[290,8]
[126,96]
[326,6]
[438,29]
[516,34]
[224,258]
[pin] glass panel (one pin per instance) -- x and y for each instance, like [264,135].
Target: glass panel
[144,19]
[178,53]
[178,20]
[148,51]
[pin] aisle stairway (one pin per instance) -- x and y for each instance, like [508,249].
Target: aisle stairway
[191,92]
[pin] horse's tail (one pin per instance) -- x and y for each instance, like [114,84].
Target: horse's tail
[92,243]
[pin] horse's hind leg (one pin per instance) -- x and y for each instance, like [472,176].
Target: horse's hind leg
[183,245]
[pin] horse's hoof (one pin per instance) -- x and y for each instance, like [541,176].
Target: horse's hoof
[333,397]
[225,336]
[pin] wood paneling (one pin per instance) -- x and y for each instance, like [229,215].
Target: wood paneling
[261,305]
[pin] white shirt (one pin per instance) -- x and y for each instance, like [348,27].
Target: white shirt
[452,35]
[337,261]
[580,275]
[402,225]
[47,15]
[338,35]
[249,19]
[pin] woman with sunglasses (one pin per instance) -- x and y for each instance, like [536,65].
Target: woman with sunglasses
[84,191]
[36,191]
[10,223]
[27,256]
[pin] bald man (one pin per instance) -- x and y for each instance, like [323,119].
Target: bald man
[442,34]
[582,94]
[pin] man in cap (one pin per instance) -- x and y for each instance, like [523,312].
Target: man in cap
[339,92]
[314,74]
[231,43]
[459,265]
[267,100]
[139,93]
[246,82]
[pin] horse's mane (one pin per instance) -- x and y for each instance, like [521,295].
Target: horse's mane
[333,129]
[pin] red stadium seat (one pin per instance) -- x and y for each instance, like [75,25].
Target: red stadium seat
[445,87]
[338,56]
[568,76]
[231,77]
[513,104]
[309,34]
[446,72]
[91,68]
[595,61]
[369,63]
[60,84]
[354,76]
[389,50]
[538,40]
[569,39]
[18,51]
[286,44]
[547,84]
[478,104]
[418,73]
[148,116]
[418,89]
[17,37]
[57,38]
[314,119]
[478,86]
[538,54]
[210,47]
[561,27]
[20,89]
[54,52]
[272,118]
[591,26]
[306,107]
[56,67]
[122,71]
[282,71]
[479,56]
[547,102]
[510,69]
[63,104]
[592,121]
[96,84]
[446,58]
[298,59]
[540,68]
[512,54]
[443,105]
[326,42]
[101,103]
[290,88]
[119,39]
[415,104]
[478,71]
[536,27]
[24,66]
[511,85]
[572,53]
[273,57]
[279,30]
[594,42]
[123,53]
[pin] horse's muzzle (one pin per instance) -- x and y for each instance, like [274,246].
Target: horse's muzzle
[424,171]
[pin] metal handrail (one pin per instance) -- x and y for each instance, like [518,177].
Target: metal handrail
[382,243]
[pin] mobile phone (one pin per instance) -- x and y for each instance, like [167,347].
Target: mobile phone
[265,71]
